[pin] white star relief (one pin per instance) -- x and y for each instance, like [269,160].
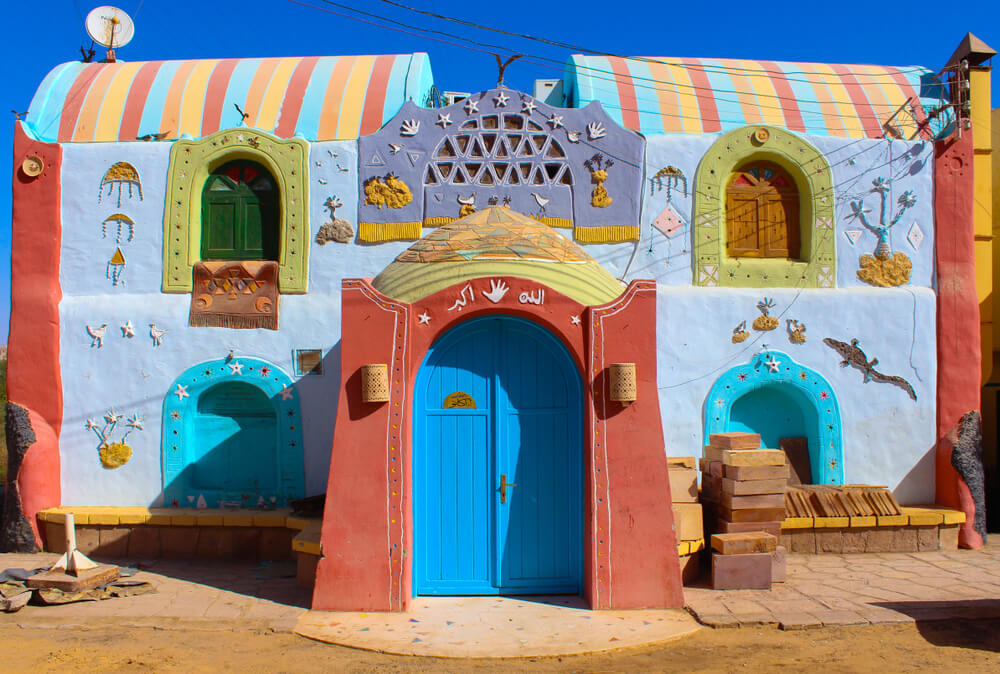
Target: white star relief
[501,100]
[555,121]
[575,320]
[424,319]
[528,106]
[772,365]
[286,393]
[444,120]
[236,367]
[471,106]
[182,392]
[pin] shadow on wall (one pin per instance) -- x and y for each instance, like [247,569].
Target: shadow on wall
[913,488]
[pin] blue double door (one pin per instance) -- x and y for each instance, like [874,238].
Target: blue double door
[498,475]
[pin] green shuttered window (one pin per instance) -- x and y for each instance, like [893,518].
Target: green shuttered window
[240,214]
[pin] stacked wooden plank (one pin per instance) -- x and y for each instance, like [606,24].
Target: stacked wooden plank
[745,561]
[851,500]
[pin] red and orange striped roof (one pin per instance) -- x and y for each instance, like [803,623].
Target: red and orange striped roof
[656,95]
[316,97]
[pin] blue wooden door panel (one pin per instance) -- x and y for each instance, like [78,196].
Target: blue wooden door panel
[526,425]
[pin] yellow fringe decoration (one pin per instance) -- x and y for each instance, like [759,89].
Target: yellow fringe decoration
[606,234]
[564,223]
[438,221]
[375,232]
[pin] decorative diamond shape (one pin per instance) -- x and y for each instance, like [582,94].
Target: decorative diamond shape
[709,275]
[915,236]
[825,277]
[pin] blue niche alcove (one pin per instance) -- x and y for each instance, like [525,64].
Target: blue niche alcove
[779,398]
[232,436]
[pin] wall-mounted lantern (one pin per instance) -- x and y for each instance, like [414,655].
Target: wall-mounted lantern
[375,383]
[623,386]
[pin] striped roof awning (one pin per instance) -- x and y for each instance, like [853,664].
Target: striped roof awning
[318,97]
[690,95]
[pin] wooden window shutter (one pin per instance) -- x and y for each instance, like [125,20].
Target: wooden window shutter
[762,213]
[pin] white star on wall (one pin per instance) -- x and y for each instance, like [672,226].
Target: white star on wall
[471,106]
[286,393]
[182,392]
[424,319]
[444,120]
[555,121]
[501,100]
[773,365]
[236,367]
[528,106]
[575,320]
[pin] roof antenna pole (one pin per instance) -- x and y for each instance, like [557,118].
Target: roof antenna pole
[502,66]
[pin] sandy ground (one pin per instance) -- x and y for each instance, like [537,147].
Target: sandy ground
[924,647]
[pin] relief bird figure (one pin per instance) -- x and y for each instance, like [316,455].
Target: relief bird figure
[853,355]
[97,335]
[157,334]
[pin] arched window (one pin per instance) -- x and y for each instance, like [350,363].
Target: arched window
[240,213]
[762,213]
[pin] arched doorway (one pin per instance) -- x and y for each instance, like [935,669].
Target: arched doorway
[498,462]
[779,398]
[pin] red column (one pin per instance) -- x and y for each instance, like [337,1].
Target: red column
[958,337]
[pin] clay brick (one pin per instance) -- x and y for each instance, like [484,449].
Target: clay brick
[743,544]
[674,462]
[753,487]
[751,502]
[683,485]
[246,543]
[275,543]
[747,457]
[144,542]
[55,537]
[855,539]
[741,473]
[215,543]
[879,539]
[829,540]
[711,487]
[948,537]
[904,539]
[927,539]
[803,541]
[779,564]
[742,572]
[752,514]
[688,522]
[88,539]
[178,542]
[735,440]
[724,527]
[305,569]
[710,467]
[113,542]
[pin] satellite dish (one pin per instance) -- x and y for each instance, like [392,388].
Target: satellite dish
[110,27]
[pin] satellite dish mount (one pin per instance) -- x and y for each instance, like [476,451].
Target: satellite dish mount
[110,27]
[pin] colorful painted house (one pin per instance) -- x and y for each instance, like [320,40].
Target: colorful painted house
[481,328]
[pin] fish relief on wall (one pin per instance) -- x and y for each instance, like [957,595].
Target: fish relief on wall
[430,166]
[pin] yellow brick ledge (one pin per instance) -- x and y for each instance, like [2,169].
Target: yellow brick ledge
[685,548]
[177,517]
[308,539]
[914,516]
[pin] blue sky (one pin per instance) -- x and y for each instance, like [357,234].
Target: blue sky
[43,33]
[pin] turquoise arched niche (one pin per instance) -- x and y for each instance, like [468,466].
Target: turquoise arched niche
[232,436]
[773,380]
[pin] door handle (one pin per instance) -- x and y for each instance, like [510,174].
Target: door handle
[503,487]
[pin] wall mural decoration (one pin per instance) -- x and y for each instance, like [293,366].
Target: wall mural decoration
[121,174]
[885,268]
[115,269]
[235,295]
[773,371]
[122,226]
[504,147]
[598,166]
[796,331]
[335,229]
[740,333]
[97,335]
[232,436]
[156,334]
[765,321]
[114,453]
[668,221]
[853,355]
[128,330]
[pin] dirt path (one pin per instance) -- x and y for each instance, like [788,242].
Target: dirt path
[928,647]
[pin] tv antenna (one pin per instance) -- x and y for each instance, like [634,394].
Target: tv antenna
[110,27]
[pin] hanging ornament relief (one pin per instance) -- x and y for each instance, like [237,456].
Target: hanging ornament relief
[121,174]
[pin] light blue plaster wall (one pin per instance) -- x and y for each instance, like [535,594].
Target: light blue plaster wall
[888,438]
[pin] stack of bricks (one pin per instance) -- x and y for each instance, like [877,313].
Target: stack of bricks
[743,490]
[747,561]
[688,523]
